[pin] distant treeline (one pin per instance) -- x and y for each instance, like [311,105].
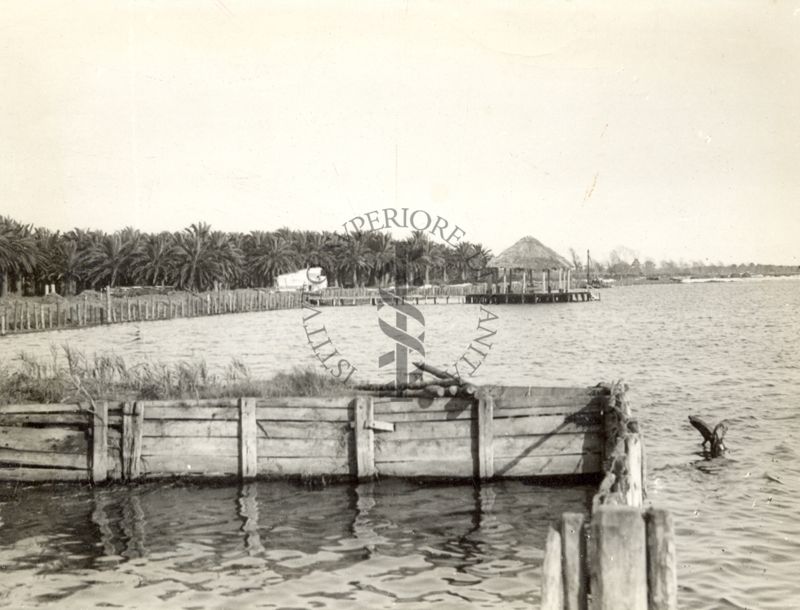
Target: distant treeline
[200,258]
[623,265]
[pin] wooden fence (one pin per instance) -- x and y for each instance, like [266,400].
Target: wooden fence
[623,557]
[509,432]
[76,312]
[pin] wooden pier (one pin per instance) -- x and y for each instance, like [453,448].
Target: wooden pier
[532,298]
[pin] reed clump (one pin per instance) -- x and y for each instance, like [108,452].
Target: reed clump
[70,375]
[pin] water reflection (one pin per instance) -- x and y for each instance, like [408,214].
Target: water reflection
[375,542]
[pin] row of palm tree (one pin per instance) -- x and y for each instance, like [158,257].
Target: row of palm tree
[200,258]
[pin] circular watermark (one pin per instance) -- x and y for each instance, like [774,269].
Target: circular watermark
[400,321]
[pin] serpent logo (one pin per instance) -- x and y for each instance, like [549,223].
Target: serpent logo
[400,335]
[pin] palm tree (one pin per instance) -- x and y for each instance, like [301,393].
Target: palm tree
[382,253]
[108,257]
[268,255]
[355,255]
[153,260]
[17,252]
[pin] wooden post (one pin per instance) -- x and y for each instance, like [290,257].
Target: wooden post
[109,310]
[486,437]
[573,561]
[3,324]
[132,424]
[364,437]
[662,563]
[619,578]
[248,438]
[633,460]
[524,282]
[100,443]
[552,585]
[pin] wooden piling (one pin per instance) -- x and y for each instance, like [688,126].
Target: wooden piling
[248,438]
[132,426]
[573,561]
[100,443]
[364,437]
[662,565]
[619,578]
[486,437]
[552,580]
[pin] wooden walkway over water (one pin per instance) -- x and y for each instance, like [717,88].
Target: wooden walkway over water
[532,298]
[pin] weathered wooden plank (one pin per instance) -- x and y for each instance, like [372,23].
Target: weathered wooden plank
[296,447]
[205,427]
[57,440]
[248,433]
[385,406]
[100,443]
[43,474]
[208,403]
[52,419]
[662,563]
[206,465]
[521,396]
[576,412]
[310,414]
[42,458]
[547,465]
[552,444]
[300,429]
[391,450]
[190,446]
[486,437]
[192,413]
[550,424]
[364,437]
[552,585]
[633,460]
[419,430]
[619,577]
[44,408]
[573,561]
[427,468]
[304,466]
[316,402]
[427,416]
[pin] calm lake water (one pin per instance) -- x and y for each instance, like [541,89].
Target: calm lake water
[721,350]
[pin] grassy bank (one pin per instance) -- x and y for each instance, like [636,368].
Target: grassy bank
[71,376]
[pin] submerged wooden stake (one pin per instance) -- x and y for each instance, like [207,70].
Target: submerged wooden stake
[100,443]
[552,584]
[486,437]
[619,579]
[573,561]
[248,438]
[662,565]
[364,437]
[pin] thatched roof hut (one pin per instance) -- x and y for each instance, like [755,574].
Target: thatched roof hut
[529,253]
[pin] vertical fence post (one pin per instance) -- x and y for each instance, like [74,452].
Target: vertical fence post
[364,437]
[100,443]
[619,578]
[662,563]
[573,561]
[3,324]
[486,437]
[132,423]
[248,438]
[552,585]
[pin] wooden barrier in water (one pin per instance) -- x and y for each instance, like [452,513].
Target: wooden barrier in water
[623,557]
[506,432]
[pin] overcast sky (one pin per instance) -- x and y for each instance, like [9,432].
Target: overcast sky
[670,128]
